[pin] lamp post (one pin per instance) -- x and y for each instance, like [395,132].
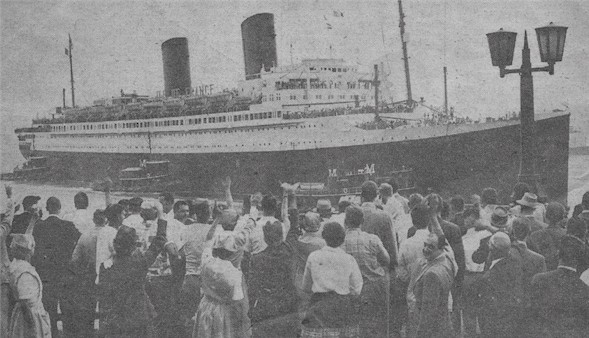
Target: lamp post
[551,40]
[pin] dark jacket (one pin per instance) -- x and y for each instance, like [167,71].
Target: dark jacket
[561,303]
[532,263]
[55,240]
[501,294]
[481,255]
[271,288]
[546,242]
[454,237]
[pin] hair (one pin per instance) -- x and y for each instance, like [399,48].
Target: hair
[342,205]
[354,216]
[333,234]
[414,200]
[53,205]
[81,200]
[167,197]
[269,204]
[148,214]
[202,211]
[577,210]
[519,190]
[124,242]
[419,216]
[222,253]
[520,228]
[489,196]
[457,203]
[272,233]
[445,212]
[585,200]
[112,213]
[369,191]
[99,217]
[555,212]
[124,203]
[577,227]
[179,204]
[472,210]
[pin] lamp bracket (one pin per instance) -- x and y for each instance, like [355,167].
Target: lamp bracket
[549,69]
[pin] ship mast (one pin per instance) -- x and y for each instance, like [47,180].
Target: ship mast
[69,52]
[405,56]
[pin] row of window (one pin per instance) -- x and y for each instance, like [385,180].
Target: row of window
[167,123]
[293,97]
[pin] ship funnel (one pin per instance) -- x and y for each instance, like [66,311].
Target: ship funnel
[259,44]
[176,67]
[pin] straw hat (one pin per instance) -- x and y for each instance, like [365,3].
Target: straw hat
[529,200]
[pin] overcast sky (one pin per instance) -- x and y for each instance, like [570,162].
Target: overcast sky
[117,46]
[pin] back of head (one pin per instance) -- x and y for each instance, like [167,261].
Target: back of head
[577,227]
[385,190]
[167,198]
[135,204]
[414,200]
[457,203]
[81,200]
[343,204]
[269,205]
[99,217]
[520,228]
[500,244]
[124,242]
[585,201]
[489,196]
[273,233]
[228,219]
[333,234]
[113,212]
[369,191]
[53,205]
[555,212]
[201,209]
[148,214]
[420,216]
[577,210]
[354,216]
[311,222]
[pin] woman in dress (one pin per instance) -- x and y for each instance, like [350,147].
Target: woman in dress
[223,309]
[29,318]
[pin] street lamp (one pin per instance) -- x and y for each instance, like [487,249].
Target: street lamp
[551,40]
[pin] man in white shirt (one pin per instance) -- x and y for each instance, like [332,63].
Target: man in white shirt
[134,220]
[81,217]
[269,208]
[167,201]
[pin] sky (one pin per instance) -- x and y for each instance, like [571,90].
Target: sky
[117,45]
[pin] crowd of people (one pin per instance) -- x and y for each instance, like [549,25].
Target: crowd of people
[380,265]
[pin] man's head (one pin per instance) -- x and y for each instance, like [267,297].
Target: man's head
[333,234]
[125,204]
[125,240]
[499,245]
[99,218]
[29,203]
[385,191]
[269,205]
[181,210]
[311,222]
[81,200]
[201,210]
[228,219]
[135,205]
[324,208]
[344,202]
[414,200]
[433,246]
[555,212]
[167,201]
[53,205]
[369,191]
[115,214]
[354,217]
[585,201]
[489,196]
[471,215]
[272,233]
[434,199]
[499,218]
[420,216]
[520,228]
[457,203]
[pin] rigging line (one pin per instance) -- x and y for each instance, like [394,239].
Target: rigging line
[445,35]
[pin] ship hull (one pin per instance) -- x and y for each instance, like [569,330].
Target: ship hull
[462,163]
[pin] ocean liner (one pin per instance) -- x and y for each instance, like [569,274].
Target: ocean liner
[287,123]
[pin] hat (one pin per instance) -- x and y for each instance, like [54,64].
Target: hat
[225,240]
[323,206]
[500,241]
[228,218]
[24,241]
[136,201]
[529,200]
[272,233]
[29,201]
[499,217]
[312,222]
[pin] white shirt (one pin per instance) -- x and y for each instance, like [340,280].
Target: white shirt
[495,261]
[332,269]
[134,221]
[83,219]
[256,242]
[410,251]
[471,241]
